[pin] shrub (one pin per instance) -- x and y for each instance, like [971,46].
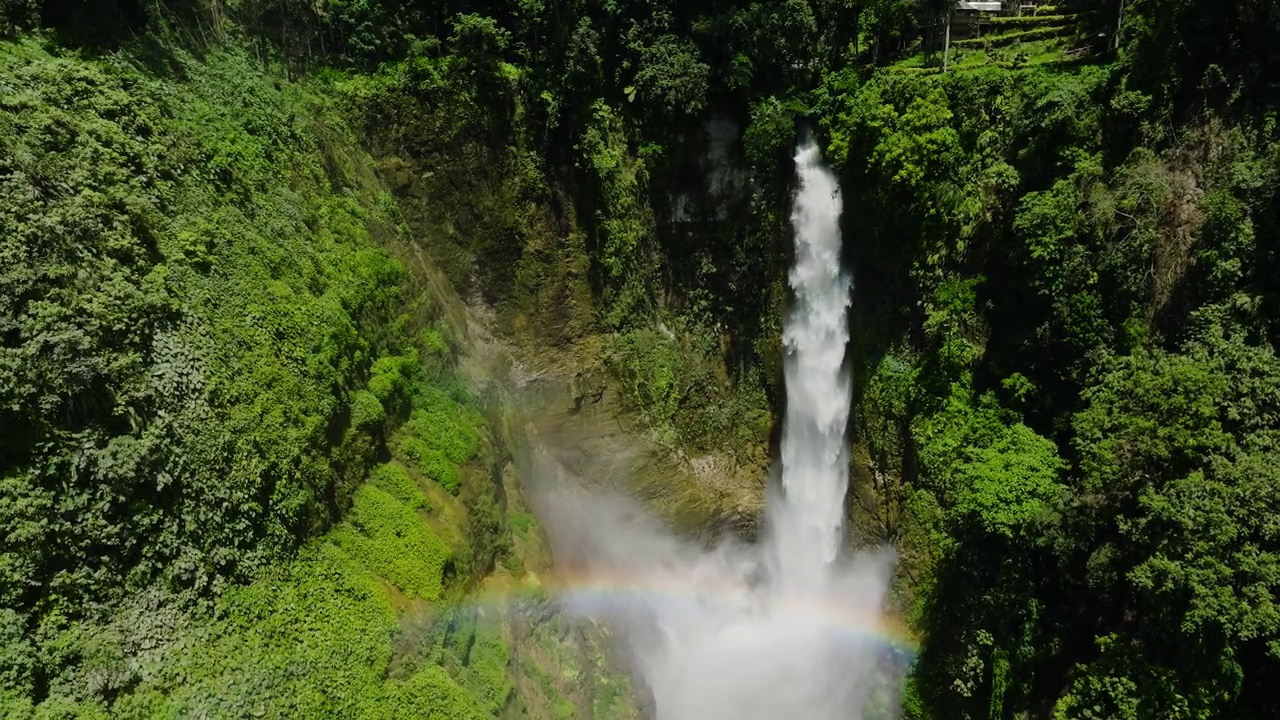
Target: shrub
[432,695]
[431,463]
[366,411]
[436,354]
[389,538]
[187,299]
[391,379]
[395,481]
[440,422]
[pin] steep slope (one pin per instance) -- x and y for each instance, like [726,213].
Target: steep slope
[242,474]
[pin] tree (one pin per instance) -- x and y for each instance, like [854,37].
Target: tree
[1179,454]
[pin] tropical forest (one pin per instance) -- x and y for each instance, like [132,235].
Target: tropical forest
[640,359]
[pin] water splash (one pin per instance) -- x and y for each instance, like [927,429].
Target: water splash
[744,638]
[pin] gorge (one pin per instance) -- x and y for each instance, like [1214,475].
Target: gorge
[484,358]
[792,626]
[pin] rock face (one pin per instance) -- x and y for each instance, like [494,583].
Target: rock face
[577,416]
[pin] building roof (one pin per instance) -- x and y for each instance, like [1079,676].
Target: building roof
[979,5]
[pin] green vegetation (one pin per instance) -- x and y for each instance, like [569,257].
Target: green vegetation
[1008,38]
[393,479]
[431,463]
[389,538]
[434,695]
[236,428]
[186,328]
[1064,326]
[208,350]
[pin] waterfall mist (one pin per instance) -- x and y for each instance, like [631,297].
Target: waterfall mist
[787,627]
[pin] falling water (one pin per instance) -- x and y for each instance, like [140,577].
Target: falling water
[786,628]
[807,515]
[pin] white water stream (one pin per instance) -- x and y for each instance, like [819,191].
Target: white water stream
[787,628]
[806,518]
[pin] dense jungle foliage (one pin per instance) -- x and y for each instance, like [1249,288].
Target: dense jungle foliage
[216,372]
[240,474]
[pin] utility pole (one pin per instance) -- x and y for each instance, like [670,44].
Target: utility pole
[1119,24]
[946,45]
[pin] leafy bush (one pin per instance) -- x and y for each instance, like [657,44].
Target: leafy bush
[450,435]
[17,661]
[432,463]
[391,380]
[389,538]
[319,623]
[366,411]
[433,695]
[772,131]
[653,369]
[621,215]
[437,356]
[443,420]
[1010,484]
[395,481]
[671,76]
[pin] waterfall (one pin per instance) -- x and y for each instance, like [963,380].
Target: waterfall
[786,628]
[807,516]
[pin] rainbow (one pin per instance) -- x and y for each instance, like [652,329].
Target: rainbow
[601,588]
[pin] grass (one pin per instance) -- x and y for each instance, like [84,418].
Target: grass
[1014,37]
[1031,53]
[1025,54]
[1029,21]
